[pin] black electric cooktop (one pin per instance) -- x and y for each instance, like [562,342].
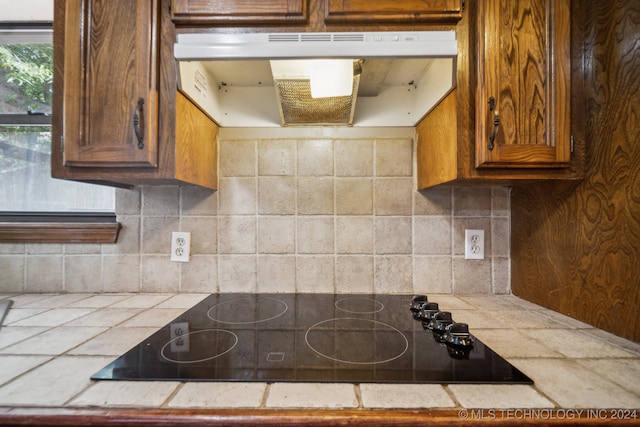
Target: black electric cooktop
[351,338]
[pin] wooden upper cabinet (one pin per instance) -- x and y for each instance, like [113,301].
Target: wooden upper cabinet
[523,92]
[239,11]
[392,11]
[110,89]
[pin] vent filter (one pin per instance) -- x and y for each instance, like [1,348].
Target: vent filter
[298,108]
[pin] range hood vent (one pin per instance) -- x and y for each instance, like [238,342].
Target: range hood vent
[401,76]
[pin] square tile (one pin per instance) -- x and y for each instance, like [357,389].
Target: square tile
[354,196]
[354,274]
[198,201]
[315,235]
[276,157]
[471,276]
[156,233]
[393,235]
[394,157]
[106,317]
[154,317]
[502,342]
[276,273]
[571,385]
[14,366]
[121,273]
[315,274]
[219,395]
[159,274]
[83,273]
[163,200]
[183,300]
[126,393]
[240,157]
[238,196]
[114,342]
[316,196]
[624,372]
[14,334]
[393,196]
[433,201]
[100,300]
[315,157]
[353,157]
[432,274]
[354,235]
[311,395]
[204,236]
[49,301]
[431,235]
[15,314]
[277,195]
[499,396]
[238,273]
[200,274]
[53,383]
[54,317]
[276,235]
[237,235]
[54,341]
[574,343]
[405,396]
[393,274]
[472,201]
[142,301]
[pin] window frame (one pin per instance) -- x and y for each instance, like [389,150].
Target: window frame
[49,227]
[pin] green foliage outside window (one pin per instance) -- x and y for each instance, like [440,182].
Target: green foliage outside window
[28,68]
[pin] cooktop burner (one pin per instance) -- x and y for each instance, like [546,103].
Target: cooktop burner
[314,337]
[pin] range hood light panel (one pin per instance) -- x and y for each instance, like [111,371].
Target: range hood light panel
[403,75]
[327,77]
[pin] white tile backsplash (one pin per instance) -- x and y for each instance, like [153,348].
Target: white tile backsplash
[306,210]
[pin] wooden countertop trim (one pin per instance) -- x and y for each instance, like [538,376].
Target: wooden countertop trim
[279,417]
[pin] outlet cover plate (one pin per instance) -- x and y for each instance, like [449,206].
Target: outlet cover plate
[473,244]
[180,246]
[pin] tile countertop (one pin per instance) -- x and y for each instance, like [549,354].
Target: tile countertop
[51,344]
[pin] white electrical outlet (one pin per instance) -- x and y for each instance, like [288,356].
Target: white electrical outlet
[180,246]
[473,244]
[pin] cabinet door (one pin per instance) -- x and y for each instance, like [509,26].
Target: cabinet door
[523,94]
[110,93]
[390,11]
[239,11]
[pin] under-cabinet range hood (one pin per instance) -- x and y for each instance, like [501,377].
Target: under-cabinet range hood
[272,79]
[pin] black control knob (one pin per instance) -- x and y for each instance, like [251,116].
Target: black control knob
[417,302]
[426,314]
[440,321]
[457,335]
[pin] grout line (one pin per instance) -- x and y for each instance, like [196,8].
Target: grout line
[453,397]
[173,394]
[358,392]
[265,396]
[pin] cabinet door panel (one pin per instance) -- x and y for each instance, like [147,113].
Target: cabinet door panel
[110,64]
[239,11]
[524,68]
[389,11]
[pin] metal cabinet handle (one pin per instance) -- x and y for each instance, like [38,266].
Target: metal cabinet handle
[496,122]
[138,123]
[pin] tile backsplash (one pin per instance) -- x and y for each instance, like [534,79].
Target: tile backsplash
[297,210]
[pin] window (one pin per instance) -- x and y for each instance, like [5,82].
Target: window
[32,204]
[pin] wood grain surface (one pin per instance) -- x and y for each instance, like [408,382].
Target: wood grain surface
[576,248]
